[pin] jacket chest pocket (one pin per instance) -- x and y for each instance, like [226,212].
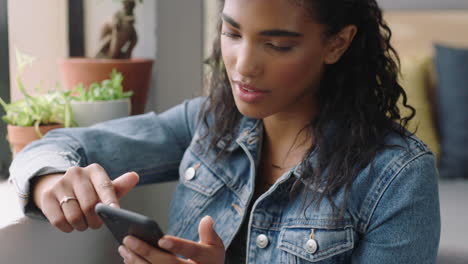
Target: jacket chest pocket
[312,244]
[197,176]
[198,186]
[200,179]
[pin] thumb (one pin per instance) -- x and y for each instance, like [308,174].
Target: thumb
[207,233]
[125,183]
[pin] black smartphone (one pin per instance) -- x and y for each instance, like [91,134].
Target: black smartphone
[122,223]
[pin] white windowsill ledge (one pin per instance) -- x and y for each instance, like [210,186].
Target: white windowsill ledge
[26,240]
[9,205]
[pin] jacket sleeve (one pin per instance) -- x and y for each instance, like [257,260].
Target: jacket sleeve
[404,226]
[149,144]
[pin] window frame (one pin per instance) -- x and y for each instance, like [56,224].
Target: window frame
[5,154]
[76,36]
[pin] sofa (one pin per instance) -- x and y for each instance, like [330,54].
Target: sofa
[433,47]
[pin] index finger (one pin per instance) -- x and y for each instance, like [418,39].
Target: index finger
[103,185]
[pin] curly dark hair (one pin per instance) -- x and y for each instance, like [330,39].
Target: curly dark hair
[359,94]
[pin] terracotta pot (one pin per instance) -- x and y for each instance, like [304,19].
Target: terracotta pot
[136,72]
[90,113]
[19,136]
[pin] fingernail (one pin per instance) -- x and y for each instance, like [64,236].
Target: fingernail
[165,243]
[123,252]
[138,175]
[130,242]
[208,218]
[114,205]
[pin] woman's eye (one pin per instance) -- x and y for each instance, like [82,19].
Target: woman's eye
[230,35]
[280,48]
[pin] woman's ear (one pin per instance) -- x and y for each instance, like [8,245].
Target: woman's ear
[339,43]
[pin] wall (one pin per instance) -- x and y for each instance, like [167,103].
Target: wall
[211,9]
[43,35]
[423,4]
[416,32]
[180,51]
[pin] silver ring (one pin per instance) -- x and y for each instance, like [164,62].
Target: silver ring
[65,199]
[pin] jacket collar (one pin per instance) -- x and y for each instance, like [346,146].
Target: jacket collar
[250,133]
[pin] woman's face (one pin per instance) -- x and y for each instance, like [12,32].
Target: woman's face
[274,56]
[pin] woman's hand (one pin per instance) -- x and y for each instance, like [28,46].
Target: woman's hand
[68,200]
[210,249]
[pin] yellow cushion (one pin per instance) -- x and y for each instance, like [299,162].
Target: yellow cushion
[416,81]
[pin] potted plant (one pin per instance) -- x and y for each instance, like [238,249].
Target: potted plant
[100,101]
[118,38]
[30,118]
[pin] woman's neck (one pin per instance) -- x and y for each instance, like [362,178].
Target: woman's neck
[287,136]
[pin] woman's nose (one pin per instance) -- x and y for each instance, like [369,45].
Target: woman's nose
[248,62]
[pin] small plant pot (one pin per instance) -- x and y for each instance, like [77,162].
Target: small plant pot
[136,72]
[90,113]
[19,136]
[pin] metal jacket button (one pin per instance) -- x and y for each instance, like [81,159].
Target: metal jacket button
[311,246]
[262,241]
[190,172]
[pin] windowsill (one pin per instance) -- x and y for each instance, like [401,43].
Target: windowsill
[44,243]
[9,205]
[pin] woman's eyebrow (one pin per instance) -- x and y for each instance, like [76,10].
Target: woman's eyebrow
[280,33]
[230,20]
[266,33]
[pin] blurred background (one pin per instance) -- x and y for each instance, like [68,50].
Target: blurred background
[431,37]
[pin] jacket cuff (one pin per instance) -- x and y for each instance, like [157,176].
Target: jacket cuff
[27,168]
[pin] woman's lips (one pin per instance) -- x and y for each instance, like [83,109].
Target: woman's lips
[249,94]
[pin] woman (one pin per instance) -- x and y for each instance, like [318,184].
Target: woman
[299,155]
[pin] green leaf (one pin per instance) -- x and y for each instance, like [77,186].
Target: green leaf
[4,105]
[23,60]
[109,89]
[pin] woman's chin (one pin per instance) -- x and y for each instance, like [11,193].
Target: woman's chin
[251,110]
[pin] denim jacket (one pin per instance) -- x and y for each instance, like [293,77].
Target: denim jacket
[392,213]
